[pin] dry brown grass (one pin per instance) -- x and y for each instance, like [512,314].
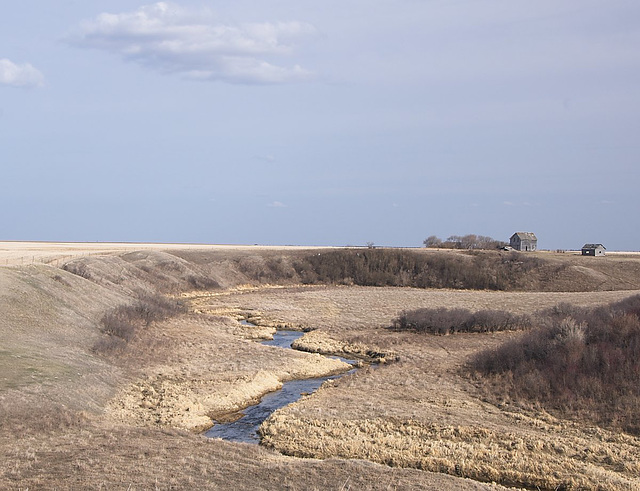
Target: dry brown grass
[419,412]
[349,308]
[83,454]
[73,418]
[192,369]
[513,458]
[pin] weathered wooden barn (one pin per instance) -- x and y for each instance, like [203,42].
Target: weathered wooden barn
[593,250]
[524,241]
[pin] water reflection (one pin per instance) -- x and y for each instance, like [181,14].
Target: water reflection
[245,429]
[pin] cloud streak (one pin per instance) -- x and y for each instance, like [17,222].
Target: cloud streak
[277,204]
[15,75]
[165,37]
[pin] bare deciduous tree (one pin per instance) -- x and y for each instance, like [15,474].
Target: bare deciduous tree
[469,241]
[432,241]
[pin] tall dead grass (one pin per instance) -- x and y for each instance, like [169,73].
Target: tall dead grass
[94,456]
[483,454]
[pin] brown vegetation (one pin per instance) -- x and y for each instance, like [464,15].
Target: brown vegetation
[380,267]
[451,321]
[120,324]
[584,363]
[419,411]
[422,268]
[47,449]
[142,272]
[71,416]
[470,241]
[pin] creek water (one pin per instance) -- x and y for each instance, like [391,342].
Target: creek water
[245,429]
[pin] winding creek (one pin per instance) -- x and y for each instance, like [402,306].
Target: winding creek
[245,429]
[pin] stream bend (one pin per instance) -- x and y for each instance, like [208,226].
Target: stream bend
[245,429]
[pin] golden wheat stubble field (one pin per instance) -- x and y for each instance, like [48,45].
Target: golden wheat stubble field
[73,417]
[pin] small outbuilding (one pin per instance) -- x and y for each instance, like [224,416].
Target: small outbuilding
[524,241]
[593,250]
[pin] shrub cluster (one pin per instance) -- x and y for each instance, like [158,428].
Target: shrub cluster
[391,267]
[470,241]
[450,321]
[580,363]
[78,268]
[122,323]
[267,269]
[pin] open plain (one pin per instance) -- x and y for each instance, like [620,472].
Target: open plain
[87,404]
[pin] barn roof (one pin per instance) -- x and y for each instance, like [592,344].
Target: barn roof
[526,235]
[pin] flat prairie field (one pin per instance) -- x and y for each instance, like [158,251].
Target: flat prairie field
[80,410]
[13,253]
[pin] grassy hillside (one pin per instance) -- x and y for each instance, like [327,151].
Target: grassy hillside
[49,323]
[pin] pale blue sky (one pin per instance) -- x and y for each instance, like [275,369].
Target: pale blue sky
[328,123]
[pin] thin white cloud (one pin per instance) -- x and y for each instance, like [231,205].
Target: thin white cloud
[269,159]
[168,38]
[15,75]
[277,204]
[522,203]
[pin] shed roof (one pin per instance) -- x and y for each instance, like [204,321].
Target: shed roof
[593,246]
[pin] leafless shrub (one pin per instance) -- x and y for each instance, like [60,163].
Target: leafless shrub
[122,323]
[388,267]
[202,283]
[470,241]
[580,363]
[267,269]
[110,345]
[60,280]
[77,268]
[449,321]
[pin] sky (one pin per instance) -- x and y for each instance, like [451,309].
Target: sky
[297,122]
